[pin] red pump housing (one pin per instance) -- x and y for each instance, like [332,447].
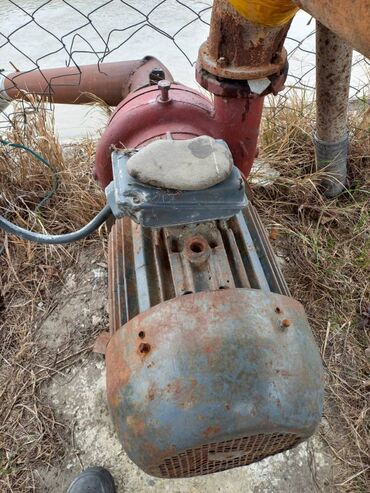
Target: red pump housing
[184,113]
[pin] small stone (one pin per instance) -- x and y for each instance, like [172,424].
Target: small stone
[98,273]
[195,164]
[96,320]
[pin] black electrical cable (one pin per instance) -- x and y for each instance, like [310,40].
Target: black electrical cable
[46,239]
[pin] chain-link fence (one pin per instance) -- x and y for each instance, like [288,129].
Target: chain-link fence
[38,34]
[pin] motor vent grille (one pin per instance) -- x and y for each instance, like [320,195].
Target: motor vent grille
[220,456]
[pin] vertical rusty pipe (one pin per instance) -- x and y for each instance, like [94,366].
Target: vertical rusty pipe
[239,49]
[239,63]
[333,66]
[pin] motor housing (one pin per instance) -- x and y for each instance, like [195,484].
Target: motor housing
[211,364]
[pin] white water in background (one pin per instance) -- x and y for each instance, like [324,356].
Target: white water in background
[60,19]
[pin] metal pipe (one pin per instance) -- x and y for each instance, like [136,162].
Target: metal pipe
[349,19]
[333,73]
[110,82]
[239,49]
[237,121]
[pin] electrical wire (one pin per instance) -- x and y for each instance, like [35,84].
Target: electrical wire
[47,239]
[38,156]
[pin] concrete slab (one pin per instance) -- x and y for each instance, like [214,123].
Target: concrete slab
[79,400]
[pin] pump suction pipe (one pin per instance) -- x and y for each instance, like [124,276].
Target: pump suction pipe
[110,82]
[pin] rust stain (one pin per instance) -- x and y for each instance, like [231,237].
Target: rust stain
[284,373]
[137,425]
[212,345]
[211,430]
[183,392]
[152,392]
[118,371]
[101,342]
[174,388]
[174,329]
[143,349]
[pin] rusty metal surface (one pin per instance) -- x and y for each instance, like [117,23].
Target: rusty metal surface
[219,456]
[147,267]
[221,87]
[209,366]
[110,82]
[333,74]
[239,72]
[101,342]
[238,49]
[349,19]
[198,371]
[198,259]
[230,88]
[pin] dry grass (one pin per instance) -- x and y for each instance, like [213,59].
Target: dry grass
[30,436]
[325,244]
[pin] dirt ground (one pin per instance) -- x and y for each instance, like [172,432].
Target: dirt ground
[78,398]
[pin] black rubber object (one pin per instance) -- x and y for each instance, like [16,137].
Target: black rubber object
[93,480]
[46,239]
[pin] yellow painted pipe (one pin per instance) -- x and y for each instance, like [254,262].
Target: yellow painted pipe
[269,13]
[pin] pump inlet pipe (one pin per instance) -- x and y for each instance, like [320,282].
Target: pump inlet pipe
[110,82]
